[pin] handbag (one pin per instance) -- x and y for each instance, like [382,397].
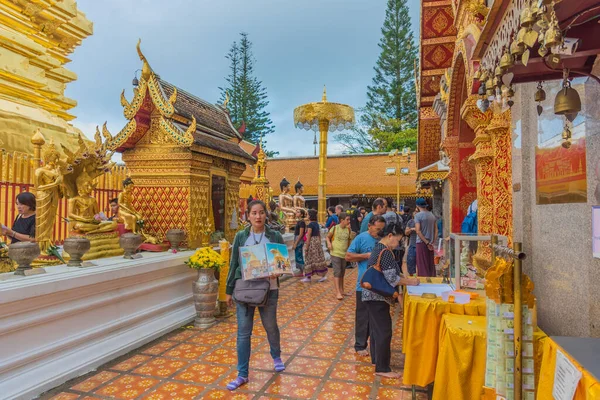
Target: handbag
[251,293]
[374,280]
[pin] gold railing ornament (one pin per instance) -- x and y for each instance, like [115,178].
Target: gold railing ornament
[206,229]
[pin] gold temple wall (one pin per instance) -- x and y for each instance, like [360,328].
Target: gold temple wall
[173,188]
[36,38]
[16,176]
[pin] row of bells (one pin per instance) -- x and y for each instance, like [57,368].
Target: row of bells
[567,101]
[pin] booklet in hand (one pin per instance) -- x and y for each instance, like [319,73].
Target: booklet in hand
[263,260]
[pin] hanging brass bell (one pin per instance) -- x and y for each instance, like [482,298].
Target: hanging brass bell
[567,101]
[510,92]
[527,18]
[553,36]
[521,37]
[516,49]
[507,60]
[498,72]
[540,94]
[543,50]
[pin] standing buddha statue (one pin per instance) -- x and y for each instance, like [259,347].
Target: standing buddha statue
[48,186]
[299,201]
[286,203]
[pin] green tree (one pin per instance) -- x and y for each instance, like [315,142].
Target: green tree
[393,134]
[392,93]
[247,95]
[381,135]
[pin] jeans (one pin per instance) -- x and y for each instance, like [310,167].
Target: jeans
[380,322]
[245,322]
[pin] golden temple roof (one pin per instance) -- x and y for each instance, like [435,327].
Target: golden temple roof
[186,119]
[347,174]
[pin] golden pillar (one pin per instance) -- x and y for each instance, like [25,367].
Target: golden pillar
[483,160]
[324,117]
[322,183]
[500,133]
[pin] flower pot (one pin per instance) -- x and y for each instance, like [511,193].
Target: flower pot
[23,253]
[206,291]
[76,247]
[129,243]
[175,237]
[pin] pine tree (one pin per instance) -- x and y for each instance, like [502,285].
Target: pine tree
[247,96]
[392,93]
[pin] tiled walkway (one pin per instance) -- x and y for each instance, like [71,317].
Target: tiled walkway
[317,344]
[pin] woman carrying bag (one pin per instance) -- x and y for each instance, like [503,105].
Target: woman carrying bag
[382,277]
[256,233]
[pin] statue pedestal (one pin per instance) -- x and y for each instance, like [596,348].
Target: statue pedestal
[102,245]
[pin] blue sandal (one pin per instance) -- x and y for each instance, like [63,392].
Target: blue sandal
[239,381]
[279,365]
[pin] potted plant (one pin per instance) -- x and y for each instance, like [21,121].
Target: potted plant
[206,287]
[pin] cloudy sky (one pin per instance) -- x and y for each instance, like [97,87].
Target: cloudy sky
[298,46]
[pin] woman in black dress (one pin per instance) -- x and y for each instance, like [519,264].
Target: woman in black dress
[23,229]
[380,321]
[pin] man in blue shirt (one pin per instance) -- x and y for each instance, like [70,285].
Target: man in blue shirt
[360,251]
[379,208]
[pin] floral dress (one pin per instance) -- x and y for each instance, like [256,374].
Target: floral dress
[314,259]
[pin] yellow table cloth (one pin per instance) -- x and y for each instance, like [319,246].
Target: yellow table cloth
[588,387]
[420,334]
[460,370]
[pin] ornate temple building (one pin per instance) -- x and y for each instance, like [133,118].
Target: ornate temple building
[508,116]
[36,39]
[361,176]
[184,157]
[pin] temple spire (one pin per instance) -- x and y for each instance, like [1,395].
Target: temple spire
[324,99]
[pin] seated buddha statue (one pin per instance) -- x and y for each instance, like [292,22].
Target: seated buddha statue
[127,213]
[83,210]
[286,203]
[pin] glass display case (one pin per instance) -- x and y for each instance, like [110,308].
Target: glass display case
[461,249]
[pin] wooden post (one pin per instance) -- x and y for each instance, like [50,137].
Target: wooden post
[518,319]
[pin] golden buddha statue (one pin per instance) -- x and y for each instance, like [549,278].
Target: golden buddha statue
[132,219]
[299,201]
[83,210]
[48,185]
[286,203]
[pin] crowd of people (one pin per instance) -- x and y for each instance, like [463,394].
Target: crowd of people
[399,244]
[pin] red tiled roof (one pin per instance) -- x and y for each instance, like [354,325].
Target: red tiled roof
[210,118]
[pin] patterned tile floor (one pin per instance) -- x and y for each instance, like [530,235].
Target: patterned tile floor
[317,344]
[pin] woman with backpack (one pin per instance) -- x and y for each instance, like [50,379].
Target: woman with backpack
[257,233]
